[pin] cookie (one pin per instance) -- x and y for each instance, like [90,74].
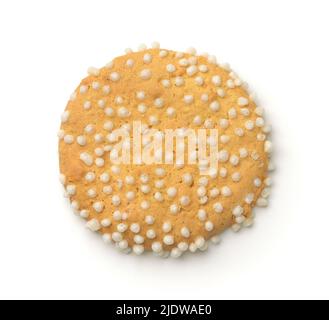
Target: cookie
[151,195]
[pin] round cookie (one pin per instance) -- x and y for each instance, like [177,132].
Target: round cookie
[165,208]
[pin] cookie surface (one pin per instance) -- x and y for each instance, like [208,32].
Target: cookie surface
[163,207]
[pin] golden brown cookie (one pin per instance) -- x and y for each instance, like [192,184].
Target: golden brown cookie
[170,206]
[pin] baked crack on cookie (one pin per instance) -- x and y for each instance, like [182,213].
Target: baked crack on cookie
[139,192]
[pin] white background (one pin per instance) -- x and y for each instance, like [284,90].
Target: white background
[280,47]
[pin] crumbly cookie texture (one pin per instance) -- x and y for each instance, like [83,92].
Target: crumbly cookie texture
[167,209]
